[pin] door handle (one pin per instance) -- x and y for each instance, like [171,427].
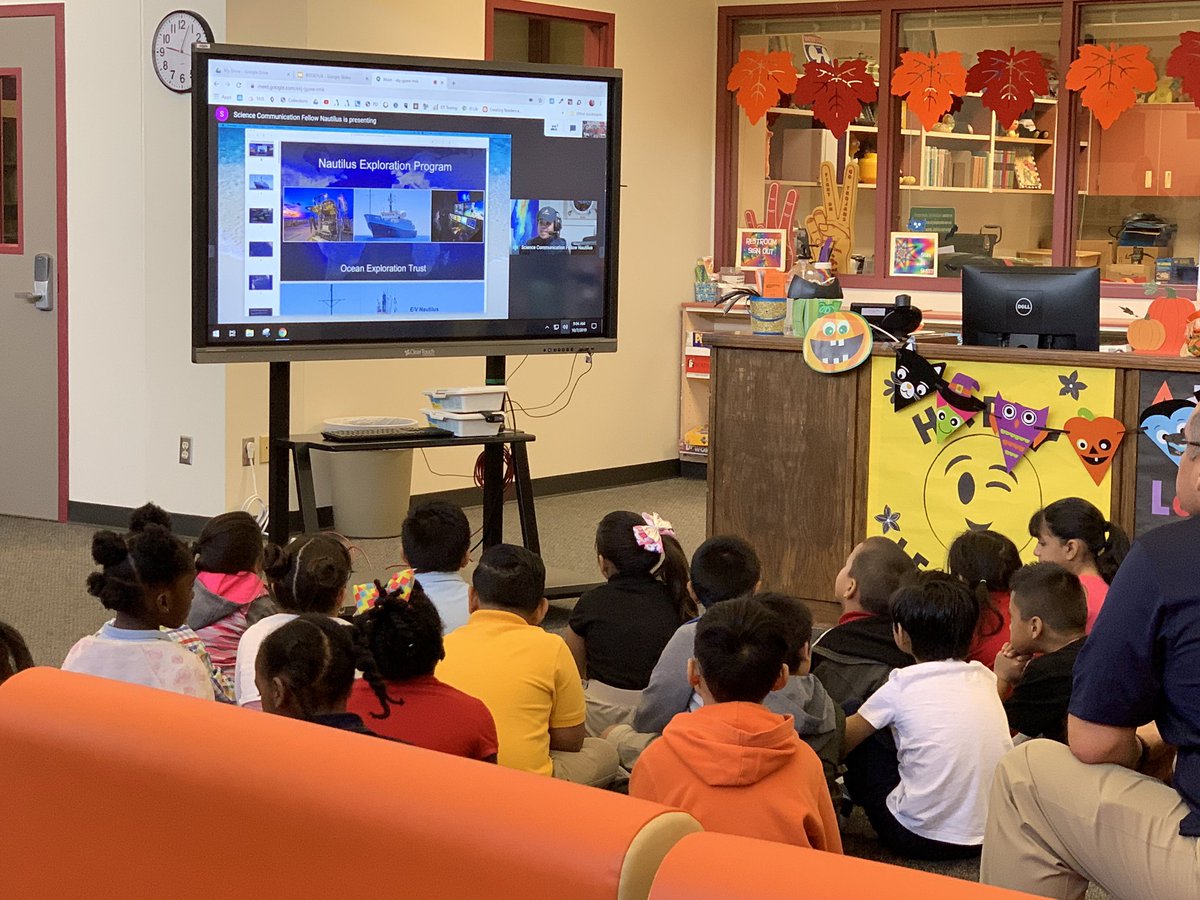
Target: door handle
[42,295]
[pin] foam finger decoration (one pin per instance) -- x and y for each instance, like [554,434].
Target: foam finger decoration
[915,378]
[953,416]
[1020,428]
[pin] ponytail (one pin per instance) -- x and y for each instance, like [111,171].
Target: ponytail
[674,574]
[991,620]
[1112,552]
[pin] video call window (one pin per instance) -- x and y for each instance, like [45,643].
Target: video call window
[554,226]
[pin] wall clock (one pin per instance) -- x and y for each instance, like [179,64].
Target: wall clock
[171,50]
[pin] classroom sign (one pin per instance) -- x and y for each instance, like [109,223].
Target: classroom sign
[928,482]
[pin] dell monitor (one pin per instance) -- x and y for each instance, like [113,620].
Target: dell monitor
[1031,306]
[351,205]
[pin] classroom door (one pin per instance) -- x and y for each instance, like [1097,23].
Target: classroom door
[32,341]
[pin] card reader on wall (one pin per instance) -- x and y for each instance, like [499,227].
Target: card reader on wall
[42,295]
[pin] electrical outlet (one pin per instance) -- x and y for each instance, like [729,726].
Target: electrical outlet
[264,449]
[186,450]
[249,451]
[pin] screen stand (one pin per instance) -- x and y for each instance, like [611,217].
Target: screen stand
[493,467]
[279,431]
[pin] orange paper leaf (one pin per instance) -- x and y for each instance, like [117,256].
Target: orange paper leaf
[1110,78]
[1009,81]
[836,91]
[759,79]
[930,81]
[1184,64]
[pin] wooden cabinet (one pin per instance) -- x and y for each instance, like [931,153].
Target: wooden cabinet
[1152,150]
[698,321]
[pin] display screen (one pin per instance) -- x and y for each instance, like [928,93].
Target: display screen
[392,206]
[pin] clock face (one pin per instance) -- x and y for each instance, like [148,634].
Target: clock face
[171,52]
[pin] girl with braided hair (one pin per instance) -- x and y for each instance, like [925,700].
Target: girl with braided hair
[146,580]
[309,575]
[399,645]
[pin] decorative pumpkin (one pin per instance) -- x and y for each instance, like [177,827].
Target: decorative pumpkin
[1146,335]
[1173,312]
[1095,440]
[837,342]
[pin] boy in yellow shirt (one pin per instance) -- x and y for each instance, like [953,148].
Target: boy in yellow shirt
[525,676]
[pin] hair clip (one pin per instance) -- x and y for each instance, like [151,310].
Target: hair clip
[367,595]
[649,536]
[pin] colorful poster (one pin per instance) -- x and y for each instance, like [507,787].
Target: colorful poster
[1165,400]
[762,248]
[914,253]
[923,493]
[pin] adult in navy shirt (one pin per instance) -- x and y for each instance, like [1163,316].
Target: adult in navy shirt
[1098,810]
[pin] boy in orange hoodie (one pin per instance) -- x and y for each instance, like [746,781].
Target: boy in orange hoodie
[733,764]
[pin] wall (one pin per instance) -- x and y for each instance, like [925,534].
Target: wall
[133,389]
[626,411]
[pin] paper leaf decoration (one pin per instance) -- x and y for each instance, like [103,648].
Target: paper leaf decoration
[915,377]
[1184,64]
[836,91]
[1018,427]
[1009,81]
[950,418]
[759,79]
[1095,440]
[1110,78]
[930,81]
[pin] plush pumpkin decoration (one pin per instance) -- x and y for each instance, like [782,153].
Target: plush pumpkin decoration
[1146,335]
[837,342]
[1173,312]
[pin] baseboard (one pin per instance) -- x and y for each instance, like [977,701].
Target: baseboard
[117,517]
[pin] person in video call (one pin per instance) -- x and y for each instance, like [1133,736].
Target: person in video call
[549,225]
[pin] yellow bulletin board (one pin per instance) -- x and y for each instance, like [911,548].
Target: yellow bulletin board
[923,494]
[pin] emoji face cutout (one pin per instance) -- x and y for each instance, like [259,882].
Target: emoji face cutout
[968,489]
[951,417]
[1095,441]
[837,342]
[915,378]
[1163,419]
[1018,427]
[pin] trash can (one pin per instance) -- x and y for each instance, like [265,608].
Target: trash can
[370,488]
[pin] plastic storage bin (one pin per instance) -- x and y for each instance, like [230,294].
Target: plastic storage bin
[468,399]
[472,424]
[370,489]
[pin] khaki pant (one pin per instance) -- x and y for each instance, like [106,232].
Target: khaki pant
[1055,823]
[607,705]
[595,765]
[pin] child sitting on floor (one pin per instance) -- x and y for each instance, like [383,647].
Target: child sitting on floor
[14,655]
[304,670]
[146,579]
[986,560]
[618,630]
[229,595]
[1074,534]
[855,657]
[930,801]
[733,764]
[525,676]
[436,538]
[1049,624]
[309,575]
[401,637]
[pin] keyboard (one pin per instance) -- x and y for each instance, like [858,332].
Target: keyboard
[388,433]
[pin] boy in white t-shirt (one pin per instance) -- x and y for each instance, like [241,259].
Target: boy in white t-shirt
[950,730]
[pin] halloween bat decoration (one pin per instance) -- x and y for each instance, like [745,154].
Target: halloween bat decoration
[915,378]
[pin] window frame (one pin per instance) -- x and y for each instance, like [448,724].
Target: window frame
[599,27]
[1065,197]
[18,247]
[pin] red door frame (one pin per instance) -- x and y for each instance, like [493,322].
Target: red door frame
[55,12]
[1065,196]
[599,37]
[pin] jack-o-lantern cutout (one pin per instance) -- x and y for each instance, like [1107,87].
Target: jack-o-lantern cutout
[837,342]
[1095,440]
